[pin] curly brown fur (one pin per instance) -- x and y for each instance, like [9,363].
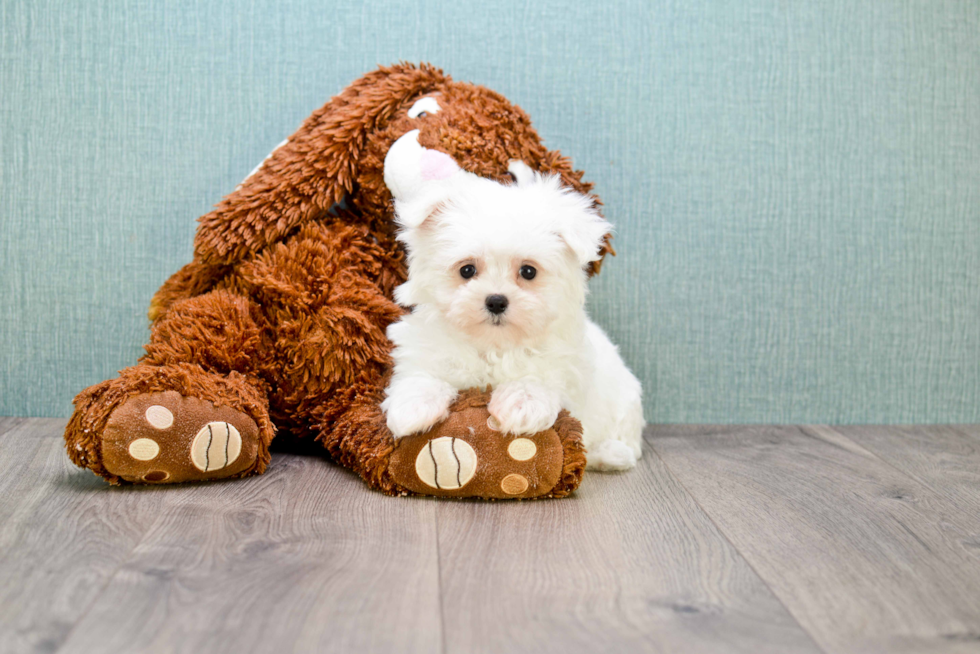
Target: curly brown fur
[191,280]
[570,432]
[219,331]
[354,432]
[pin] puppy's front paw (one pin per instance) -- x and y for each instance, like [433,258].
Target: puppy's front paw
[417,407]
[524,407]
[610,456]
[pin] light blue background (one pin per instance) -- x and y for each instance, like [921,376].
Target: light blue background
[796,185]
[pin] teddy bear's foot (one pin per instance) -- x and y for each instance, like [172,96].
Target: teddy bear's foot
[164,437]
[468,456]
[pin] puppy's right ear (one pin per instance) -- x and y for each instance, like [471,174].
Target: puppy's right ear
[584,229]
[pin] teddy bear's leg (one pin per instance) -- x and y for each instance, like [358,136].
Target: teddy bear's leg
[464,456]
[194,408]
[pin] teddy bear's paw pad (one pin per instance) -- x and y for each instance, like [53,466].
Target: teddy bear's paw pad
[465,456]
[216,446]
[446,463]
[168,438]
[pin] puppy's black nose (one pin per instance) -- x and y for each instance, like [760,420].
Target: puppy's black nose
[496,304]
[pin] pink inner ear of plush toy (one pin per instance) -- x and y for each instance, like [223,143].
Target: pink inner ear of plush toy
[437,165]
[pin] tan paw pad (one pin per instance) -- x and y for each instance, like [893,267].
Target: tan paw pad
[522,449]
[514,484]
[215,446]
[144,449]
[159,417]
[446,463]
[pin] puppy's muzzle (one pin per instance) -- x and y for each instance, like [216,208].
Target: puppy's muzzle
[496,304]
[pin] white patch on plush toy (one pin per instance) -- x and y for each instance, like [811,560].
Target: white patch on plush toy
[424,106]
[259,167]
[413,173]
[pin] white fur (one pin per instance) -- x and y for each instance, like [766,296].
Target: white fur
[542,354]
[427,105]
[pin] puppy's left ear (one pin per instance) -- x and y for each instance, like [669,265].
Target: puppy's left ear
[583,228]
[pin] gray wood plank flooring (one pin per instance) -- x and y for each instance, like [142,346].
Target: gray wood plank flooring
[629,564]
[865,557]
[300,559]
[945,459]
[62,535]
[725,539]
[6,424]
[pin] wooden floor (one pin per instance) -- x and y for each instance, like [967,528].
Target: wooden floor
[725,539]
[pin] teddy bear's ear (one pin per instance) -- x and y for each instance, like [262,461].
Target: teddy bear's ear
[312,170]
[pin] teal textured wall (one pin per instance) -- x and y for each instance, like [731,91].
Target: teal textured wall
[796,185]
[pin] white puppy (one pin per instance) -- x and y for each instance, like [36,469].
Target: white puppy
[497,283]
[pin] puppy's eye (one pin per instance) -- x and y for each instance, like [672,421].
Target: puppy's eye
[467,271]
[422,114]
[528,272]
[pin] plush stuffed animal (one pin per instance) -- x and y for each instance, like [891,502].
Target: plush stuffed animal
[279,321]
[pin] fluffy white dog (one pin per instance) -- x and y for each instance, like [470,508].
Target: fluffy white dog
[497,282]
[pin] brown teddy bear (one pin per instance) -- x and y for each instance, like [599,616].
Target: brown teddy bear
[279,321]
